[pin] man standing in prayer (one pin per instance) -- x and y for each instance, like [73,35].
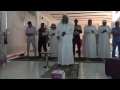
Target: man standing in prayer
[65,31]
[30,33]
[90,32]
[42,41]
[116,38]
[76,37]
[104,40]
[53,41]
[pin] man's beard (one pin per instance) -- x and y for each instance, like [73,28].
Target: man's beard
[64,21]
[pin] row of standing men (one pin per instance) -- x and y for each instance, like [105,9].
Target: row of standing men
[64,37]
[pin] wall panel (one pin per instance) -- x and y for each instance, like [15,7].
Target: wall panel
[16,36]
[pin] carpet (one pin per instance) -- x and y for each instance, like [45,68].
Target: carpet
[71,72]
[54,59]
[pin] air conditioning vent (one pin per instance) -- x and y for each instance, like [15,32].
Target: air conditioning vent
[31,12]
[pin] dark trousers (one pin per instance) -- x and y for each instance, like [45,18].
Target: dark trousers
[42,43]
[76,40]
[115,44]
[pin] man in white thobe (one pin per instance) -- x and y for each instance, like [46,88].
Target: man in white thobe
[53,41]
[104,40]
[90,32]
[30,33]
[65,31]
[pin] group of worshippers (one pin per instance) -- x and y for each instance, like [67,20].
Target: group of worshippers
[65,36]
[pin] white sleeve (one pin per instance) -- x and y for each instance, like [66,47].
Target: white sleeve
[71,30]
[87,31]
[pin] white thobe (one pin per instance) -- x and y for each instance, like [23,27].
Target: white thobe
[65,47]
[104,42]
[53,43]
[31,39]
[90,42]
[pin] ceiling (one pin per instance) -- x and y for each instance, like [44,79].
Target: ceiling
[80,15]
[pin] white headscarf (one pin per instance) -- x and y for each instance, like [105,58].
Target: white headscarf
[61,26]
[67,17]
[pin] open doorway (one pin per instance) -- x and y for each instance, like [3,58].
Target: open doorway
[16,24]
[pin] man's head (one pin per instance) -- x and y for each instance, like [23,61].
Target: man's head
[53,26]
[89,22]
[117,24]
[29,24]
[65,19]
[104,22]
[42,25]
[76,21]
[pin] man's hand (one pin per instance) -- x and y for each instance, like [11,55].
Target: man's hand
[116,34]
[63,33]
[29,34]
[58,37]
[104,31]
[92,31]
[53,34]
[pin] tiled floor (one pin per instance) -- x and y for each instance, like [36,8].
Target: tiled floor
[34,70]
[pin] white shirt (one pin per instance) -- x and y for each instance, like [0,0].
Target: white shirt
[31,30]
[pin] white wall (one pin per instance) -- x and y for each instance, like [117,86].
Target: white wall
[45,20]
[16,36]
[29,17]
[16,29]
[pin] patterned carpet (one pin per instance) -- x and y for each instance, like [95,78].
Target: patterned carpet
[71,72]
[92,60]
